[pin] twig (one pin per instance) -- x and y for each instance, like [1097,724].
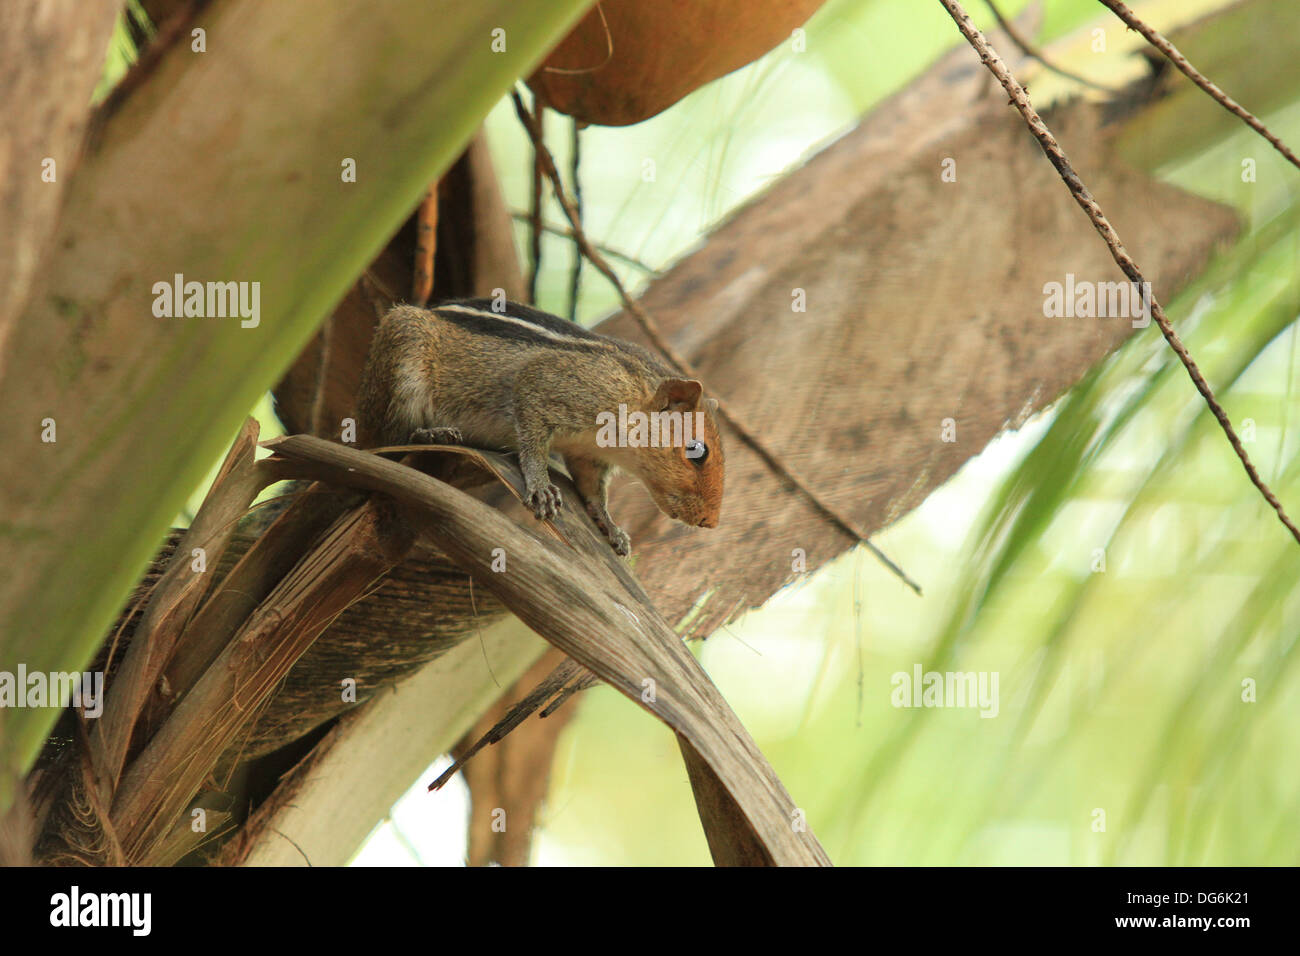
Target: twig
[556,683]
[1177,59]
[324,355]
[478,627]
[426,246]
[535,236]
[651,330]
[575,277]
[604,250]
[1020,100]
[1030,50]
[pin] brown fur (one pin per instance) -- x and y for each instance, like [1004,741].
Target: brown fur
[524,381]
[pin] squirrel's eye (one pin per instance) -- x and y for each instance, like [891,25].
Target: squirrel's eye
[697,451]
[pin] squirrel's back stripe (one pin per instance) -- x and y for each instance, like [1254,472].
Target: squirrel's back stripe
[528,314]
[523,324]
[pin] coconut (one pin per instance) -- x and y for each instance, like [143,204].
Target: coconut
[627,60]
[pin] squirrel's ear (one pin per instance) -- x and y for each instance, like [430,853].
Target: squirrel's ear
[678,395]
[713,404]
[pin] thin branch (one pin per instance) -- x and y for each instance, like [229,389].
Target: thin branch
[1032,51]
[535,236]
[575,277]
[1020,100]
[567,233]
[1177,59]
[652,332]
[479,628]
[320,387]
[426,247]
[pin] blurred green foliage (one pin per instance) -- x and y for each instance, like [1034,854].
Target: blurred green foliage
[1121,690]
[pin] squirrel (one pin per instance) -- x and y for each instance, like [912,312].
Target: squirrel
[497,374]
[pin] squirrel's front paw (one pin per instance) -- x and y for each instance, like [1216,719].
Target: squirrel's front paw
[545,501]
[437,436]
[619,541]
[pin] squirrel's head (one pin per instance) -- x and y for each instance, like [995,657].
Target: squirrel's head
[679,458]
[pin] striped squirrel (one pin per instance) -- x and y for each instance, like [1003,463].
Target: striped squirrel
[501,375]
